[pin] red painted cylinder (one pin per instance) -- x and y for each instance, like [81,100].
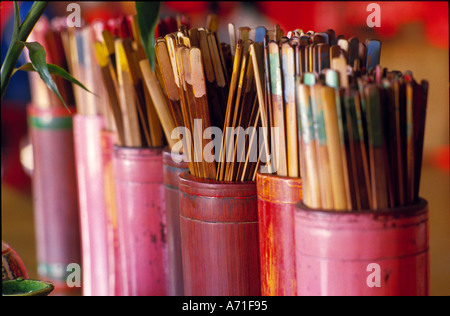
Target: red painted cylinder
[138,180]
[94,242]
[277,197]
[172,170]
[108,140]
[379,253]
[55,199]
[219,237]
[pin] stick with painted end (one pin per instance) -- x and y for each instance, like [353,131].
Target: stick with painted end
[247,113]
[231,146]
[340,64]
[232,34]
[162,108]
[189,110]
[357,149]
[334,148]
[321,144]
[201,102]
[149,123]
[373,53]
[258,67]
[268,103]
[206,43]
[288,67]
[110,81]
[170,86]
[278,107]
[232,93]
[335,51]
[311,184]
[127,99]
[376,147]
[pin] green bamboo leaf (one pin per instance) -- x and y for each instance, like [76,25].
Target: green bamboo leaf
[55,70]
[17,44]
[148,17]
[17,22]
[38,58]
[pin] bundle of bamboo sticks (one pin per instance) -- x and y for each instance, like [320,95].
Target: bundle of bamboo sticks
[362,143]
[201,78]
[337,111]
[297,58]
[134,112]
[324,94]
[192,72]
[242,87]
[106,56]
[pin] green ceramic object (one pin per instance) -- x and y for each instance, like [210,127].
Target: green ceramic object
[26,287]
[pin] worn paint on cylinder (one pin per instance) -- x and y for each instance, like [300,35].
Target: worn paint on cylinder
[334,251]
[172,171]
[219,237]
[277,197]
[138,177]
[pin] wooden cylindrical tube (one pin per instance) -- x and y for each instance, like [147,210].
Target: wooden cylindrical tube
[94,241]
[108,140]
[172,170]
[219,237]
[383,252]
[55,199]
[277,197]
[139,185]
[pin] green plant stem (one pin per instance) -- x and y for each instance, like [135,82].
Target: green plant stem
[16,47]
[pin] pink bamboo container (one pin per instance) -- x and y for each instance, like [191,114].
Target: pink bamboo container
[219,237]
[277,197]
[369,253]
[139,185]
[172,171]
[55,197]
[94,242]
[108,140]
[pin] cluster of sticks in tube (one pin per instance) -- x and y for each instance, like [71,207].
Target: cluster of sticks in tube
[352,130]
[106,57]
[362,143]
